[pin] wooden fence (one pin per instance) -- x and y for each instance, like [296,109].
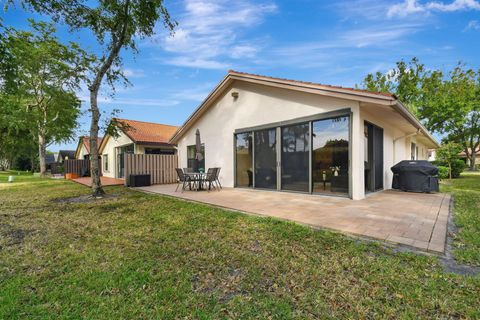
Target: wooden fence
[80,167]
[160,167]
[56,167]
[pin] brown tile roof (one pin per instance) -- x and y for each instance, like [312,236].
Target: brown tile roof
[86,142]
[147,132]
[385,94]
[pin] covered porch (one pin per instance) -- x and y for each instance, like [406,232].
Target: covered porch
[412,219]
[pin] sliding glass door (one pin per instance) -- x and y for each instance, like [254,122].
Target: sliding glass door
[330,154]
[265,158]
[244,160]
[295,157]
[306,156]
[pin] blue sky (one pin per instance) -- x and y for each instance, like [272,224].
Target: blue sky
[330,42]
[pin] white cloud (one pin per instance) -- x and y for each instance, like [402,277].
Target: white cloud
[456,5]
[405,8]
[192,62]
[210,32]
[134,73]
[197,94]
[378,36]
[132,101]
[408,7]
[472,25]
[244,51]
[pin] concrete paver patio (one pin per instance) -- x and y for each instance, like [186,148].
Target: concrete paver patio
[414,219]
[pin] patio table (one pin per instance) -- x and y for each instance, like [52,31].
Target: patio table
[197,177]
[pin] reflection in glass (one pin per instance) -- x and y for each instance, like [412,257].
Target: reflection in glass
[130,149]
[243,159]
[192,161]
[266,159]
[330,142]
[295,157]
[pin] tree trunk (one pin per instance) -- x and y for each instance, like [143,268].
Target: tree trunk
[117,43]
[42,152]
[472,161]
[97,190]
[450,170]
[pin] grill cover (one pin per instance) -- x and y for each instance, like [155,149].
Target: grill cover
[415,175]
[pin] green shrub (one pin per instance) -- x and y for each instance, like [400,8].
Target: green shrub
[457,167]
[442,172]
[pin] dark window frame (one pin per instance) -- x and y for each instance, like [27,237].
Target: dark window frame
[346,112]
[190,161]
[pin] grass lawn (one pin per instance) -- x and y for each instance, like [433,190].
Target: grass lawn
[466,193]
[143,256]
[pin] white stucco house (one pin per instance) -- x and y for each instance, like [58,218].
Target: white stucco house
[285,135]
[136,137]
[83,148]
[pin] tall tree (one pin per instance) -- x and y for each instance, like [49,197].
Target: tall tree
[405,81]
[41,79]
[451,106]
[447,103]
[116,25]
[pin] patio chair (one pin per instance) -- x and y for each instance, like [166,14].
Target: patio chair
[211,178]
[183,179]
[188,170]
[217,181]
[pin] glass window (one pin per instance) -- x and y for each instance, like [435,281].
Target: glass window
[295,157]
[130,149]
[191,160]
[266,159]
[243,160]
[330,145]
[413,151]
[105,162]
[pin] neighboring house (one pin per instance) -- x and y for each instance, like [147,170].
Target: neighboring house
[65,155]
[136,137]
[280,134]
[463,155]
[50,158]
[83,147]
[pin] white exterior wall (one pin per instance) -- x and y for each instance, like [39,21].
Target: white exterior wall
[83,152]
[259,105]
[109,150]
[256,105]
[393,151]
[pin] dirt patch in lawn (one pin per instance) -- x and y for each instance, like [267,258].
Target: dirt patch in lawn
[225,286]
[86,198]
[11,236]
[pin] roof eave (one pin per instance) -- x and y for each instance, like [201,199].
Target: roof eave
[315,89]
[150,143]
[400,107]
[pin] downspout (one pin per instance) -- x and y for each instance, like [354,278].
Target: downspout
[403,137]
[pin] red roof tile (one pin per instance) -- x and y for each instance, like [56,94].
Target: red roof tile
[148,132]
[385,94]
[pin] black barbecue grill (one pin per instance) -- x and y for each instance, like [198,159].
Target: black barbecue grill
[415,176]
